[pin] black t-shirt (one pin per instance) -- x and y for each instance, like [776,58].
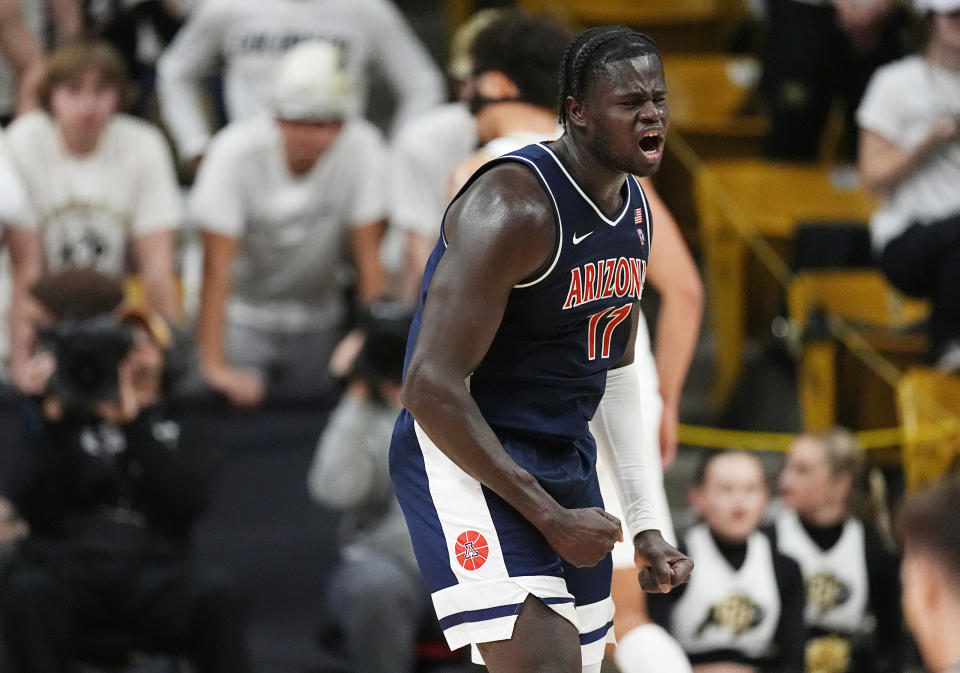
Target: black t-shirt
[84,483]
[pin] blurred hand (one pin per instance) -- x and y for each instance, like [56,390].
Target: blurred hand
[345,354]
[31,375]
[583,536]
[661,566]
[669,432]
[140,381]
[244,388]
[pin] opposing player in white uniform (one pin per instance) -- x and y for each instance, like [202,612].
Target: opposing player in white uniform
[286,203]
[101,185]
[250,36]
[506,120]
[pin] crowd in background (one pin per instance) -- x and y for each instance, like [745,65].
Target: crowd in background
[141,137]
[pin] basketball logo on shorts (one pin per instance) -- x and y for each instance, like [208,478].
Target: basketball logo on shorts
[471,550]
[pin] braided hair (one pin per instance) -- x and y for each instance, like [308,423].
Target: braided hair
[590,52]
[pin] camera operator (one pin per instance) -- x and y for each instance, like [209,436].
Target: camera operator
[111,488]
[376,601]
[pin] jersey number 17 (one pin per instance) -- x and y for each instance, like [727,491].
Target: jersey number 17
[607,320]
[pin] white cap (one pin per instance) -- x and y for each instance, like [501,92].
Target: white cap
[310,84]
[937,5]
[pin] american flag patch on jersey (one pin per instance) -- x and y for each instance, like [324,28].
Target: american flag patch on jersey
[638,216]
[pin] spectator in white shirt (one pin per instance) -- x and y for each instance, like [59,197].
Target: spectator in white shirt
[249,36]
[101,186]
[286,203]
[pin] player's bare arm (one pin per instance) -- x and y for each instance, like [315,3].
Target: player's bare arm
[499,233]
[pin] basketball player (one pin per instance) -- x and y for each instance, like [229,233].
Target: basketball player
[527,320]
[510,60]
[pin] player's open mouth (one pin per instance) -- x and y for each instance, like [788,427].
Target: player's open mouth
[651,144]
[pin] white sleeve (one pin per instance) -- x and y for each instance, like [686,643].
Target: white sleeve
[369,195]
[880,109]
[159,204]
[217,199]
[413,76]
[617,428]
[193,54]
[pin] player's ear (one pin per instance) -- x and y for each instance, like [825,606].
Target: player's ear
[575,112]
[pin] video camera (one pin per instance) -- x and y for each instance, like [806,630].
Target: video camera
[88,352]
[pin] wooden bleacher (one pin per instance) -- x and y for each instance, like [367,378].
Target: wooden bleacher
[750,201]
[676,25]
[712,116]
[880,316]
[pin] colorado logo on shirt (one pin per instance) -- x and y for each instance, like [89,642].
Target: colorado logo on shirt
[737,613]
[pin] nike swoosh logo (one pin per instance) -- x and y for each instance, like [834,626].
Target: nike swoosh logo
[577,239]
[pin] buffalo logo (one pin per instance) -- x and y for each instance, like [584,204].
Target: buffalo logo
[828,654]
[736,612]
[471,550]
[825,592]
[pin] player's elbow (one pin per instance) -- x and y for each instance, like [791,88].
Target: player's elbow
[422,388]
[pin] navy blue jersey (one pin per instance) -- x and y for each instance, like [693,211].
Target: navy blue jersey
[545,371]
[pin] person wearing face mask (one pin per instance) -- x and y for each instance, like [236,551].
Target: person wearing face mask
[850,576]
[742,611]
[101,187]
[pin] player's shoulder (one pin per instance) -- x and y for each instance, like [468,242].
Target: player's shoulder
[504,202]
[511,187]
